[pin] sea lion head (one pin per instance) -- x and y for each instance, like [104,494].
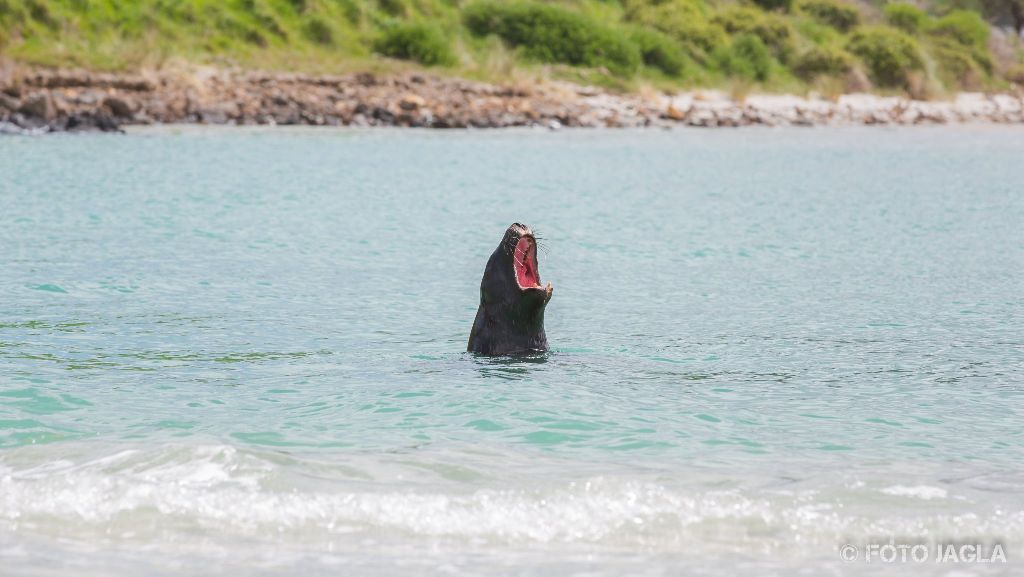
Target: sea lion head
[510,319]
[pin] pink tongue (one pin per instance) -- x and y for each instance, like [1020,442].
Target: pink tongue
[524,263]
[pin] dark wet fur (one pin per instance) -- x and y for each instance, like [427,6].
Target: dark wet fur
[510,321]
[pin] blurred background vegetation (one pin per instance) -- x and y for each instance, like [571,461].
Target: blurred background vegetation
[927,49]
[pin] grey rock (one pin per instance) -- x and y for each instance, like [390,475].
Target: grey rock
[120,107]
[89,121]
[213,116]
[9,102]
[38,105]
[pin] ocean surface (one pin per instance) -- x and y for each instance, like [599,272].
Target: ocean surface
[241,352]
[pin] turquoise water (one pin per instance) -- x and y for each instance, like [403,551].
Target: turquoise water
[242,351]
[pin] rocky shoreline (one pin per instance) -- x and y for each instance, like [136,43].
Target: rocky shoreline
[39,101]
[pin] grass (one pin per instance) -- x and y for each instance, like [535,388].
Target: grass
[617,44]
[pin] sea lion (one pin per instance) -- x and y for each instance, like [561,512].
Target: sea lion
[510,319]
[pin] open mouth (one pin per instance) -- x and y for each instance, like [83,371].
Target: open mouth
[524,261]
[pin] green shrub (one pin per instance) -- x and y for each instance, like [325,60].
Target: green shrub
[353,10]
[957,66]
[773,30]
[747,57]
[816,32]
[551,33]
[683,20]
[946,6]
[906,17]
[318,30]
[393,7]
[822,60]
[965,27]
[664,12]
[984,59]
[659,51]
[1016,74]
[420,41]
[839,15]
[775,4]
[701,38]
[889,54]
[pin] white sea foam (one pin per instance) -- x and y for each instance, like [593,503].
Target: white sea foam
[181,494]
[919,492]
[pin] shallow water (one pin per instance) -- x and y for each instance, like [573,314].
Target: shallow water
[241,351]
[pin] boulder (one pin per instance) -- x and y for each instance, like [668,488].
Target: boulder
[674,113]
[411,102]
[88,121]
[9,103]
[38,105]
[218,113]
[120,107]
